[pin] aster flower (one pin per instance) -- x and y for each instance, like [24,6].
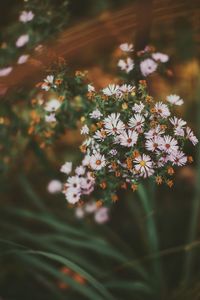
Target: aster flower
[66,168]
[113,152]
[79,212]
[97,161]
[126,65]
[48,83]
[162,110]
[152,144]
[90,207]
[126,47]
[128,138]
[91,88]
[5,71]
[100,135]
[22,40]
[144,165]
[175,100]
[50,118]
[154,132]
[176,122]
[73,182]
[26,16]
[113,125]
[148,66]
[72,195]
[95,114]
[127,88]
[54,186]
[80,171]
[190,136]
[101,216]
[178,158]
[85,129]
[168,144]
[160,57]
[136,122]
[138,108]
[111,90]
[52,105]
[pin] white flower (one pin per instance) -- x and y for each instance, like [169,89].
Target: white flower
[73,182]
[148,66]
[177,122]
[143,165]
[96,114]
[138,108]
[168,144]
[127,88]
[48,82]
[22,59]
[5,71]
[52,105]
[113,125]
[85,129]
[160,57]
[80,170]
[99,135]
[91,88]
[79,212]
[175,99]
[87,184]
[128,138]
[126,65]
[113,152]
[178,158]
[126,47]
[154,132]
[22,40]
[50,118]
[136,122]
[162,110]
[102,215]
[97,161]
[26,16]
[72,195]
[66,168]
[152,144]
[86,160]
[111,89]
[190,136]
[54,186]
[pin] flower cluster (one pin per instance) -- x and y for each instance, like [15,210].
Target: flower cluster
[144,62]
[129,137]
[100,214]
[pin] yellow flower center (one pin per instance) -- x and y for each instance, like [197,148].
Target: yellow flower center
[143,163]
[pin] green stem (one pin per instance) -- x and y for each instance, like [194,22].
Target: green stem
[190,255]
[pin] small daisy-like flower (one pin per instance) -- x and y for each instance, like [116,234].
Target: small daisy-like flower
[66,168]
[86,160]
[175,100]
[91,88]
[97,161]
[148,66]
[22,40]
[73,182]
[178,158]
[111,90]
[168,144]
[96,114]
[5,71]
[113,125]
[138,108]
[154,132]
[136,122]
[90,207]
[113,152]
[52,105]
[100,135]
[23,59]
[144,165]
[50,118]
[127,88]
[102,215]
[26,16]
[48,82]
[126,65]
[85,129]
[54,186]
[79,212]
[162,110]
[177,122]
[152,144]
[128,139]
[80,171]
[190,136]
[126,47]
[160,57]
[72,195]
